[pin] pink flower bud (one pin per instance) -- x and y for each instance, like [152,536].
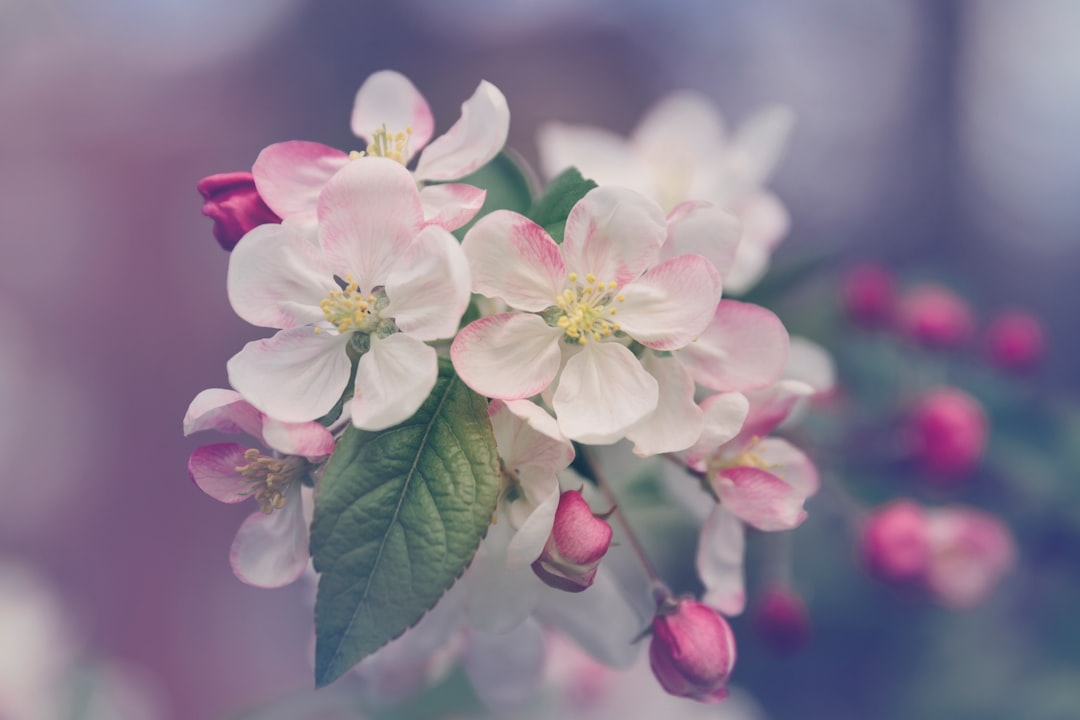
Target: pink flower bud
[947,432]
[234,205]
[970,551]
[1015,341]
[781,621]
[895,546]
[867,294]
[936,317]
[692,651]
[573,550]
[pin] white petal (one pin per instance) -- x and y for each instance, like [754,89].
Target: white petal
[295,376]
[602,392]
[750,265]
[514,260]
[684,123]
[532,534]
[600,155]
[393,379]
[701,229]
[290,175]
[509,356]
[810,363]
[720,562]
[677,421]
[502,595]
[725,415]
[272,550]
[528,437]
[759,145]
[310,439]
[505,670]
[277,278]
[222,410]
[671,304]
[472,141]
[389,98]
[428,288]
[451,205]
[613,233]
[744,347]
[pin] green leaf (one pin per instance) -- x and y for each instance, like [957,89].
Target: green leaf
[782,280]
[400,514]
[507,188]
[551,209]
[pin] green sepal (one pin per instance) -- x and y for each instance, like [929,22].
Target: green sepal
[552,208]
[507,185]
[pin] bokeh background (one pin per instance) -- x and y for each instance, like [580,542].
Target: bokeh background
[937,137]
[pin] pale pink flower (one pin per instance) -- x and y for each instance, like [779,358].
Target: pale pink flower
[271,546]
[970,551]
[582,304]
[935,316]
[679,152]
[395,121]
[378,282]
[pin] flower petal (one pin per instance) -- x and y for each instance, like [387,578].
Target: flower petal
[720,562]
[677,421]
[613,233]
[295,376]
[769,407]
[685,123]
[451,205]
[760,498]
[428,288]
[389,98]
[790,464]
[213,469]
[222,410]
[369,214]
[603,391]
[532,533]
[508,356]
[472,141]
[600,155]
[310,439]
[393,379]
[514,260]
[528,437]
[750,265]
[810,363]
[744,347]
[505,670]
[701,229]
[725,414]
[290,175]
[671,304]
[765,220]
[271,551]
[277,278]
[759,145]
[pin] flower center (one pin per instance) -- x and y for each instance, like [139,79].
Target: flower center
[747,458]
[585,311]
[394,146]
[350,310]
[271,477]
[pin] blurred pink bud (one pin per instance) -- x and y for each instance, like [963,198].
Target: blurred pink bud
[947,431]
[867,294]
[781,621]
[234,205]
[577,542]
[895,547]
[935,316]
[970,551]
[692,651]
[1015,340]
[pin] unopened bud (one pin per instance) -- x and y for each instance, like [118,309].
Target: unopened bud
[947,433]
[867,294]
[234,205]
[1015,341]
[895,544]
[781,621]
[692,651]
[577,542]
[936,317]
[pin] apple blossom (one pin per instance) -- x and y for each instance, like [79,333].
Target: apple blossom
[395,121]
[970,551]
[1015,341]
[234,205]
[582,304]
[692,651]
[935,316]
[894,544]
[579,539]
[271,546]
[867,294]
[781,620]
[378,283]
[947,432]
[679,152]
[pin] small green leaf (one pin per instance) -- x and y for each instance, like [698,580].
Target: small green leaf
[551,209]
[507,188]
[400,514]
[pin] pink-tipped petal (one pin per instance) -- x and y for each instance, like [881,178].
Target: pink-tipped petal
[310,439]
[472,141]
[290,175]
[720,561]
[277,278]
[222,410]
[294,376]
[603,391]
[369,214]
[769,407]
[392,381]
[388,98]
[514,260]
[528,437]
[509,356]
[790,464]
[599,155]
[428,288]
[743,348]
[760,498]
[451,205]
[613,233]
[271,551]
[670,305]
[725,414]
[701,229]
[214,469]
[677,421]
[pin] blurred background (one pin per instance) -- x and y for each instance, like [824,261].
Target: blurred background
[938,138]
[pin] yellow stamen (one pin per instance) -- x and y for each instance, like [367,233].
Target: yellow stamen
[584,310]
[349,309]
[394,146]
[270,477]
